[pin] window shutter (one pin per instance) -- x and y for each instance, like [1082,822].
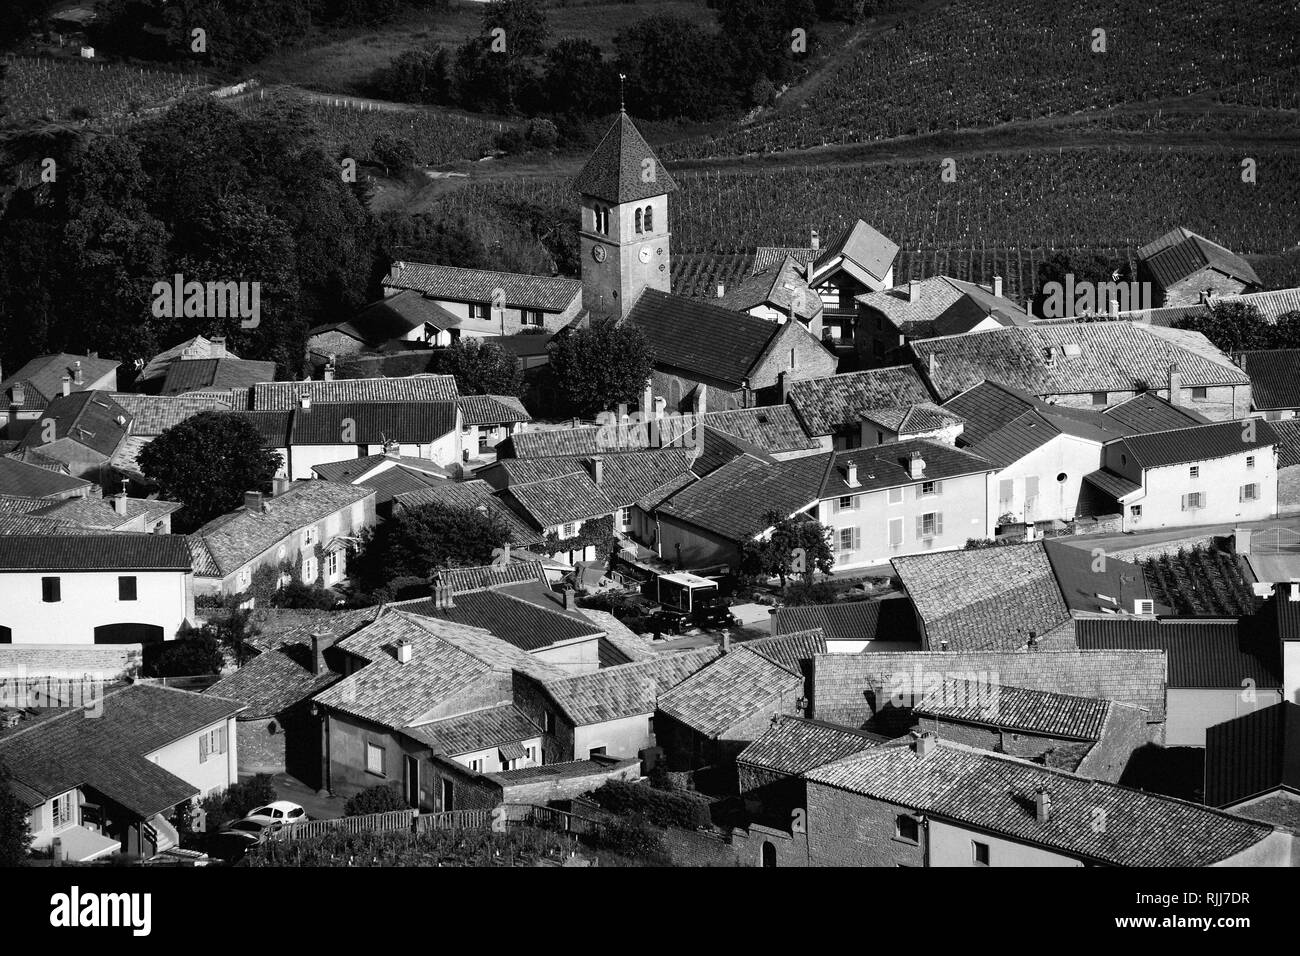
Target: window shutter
[1200,499]
[938,522]
[1031,486]
[920,526]
[938,487]
[1184,502]
[1241,493]
[203,749]
[1006,490]
[835,506]
[857,538]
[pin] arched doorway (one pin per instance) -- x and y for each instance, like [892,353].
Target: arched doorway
[769,853]
[128,634]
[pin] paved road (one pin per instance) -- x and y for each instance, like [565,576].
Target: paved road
[1137,539]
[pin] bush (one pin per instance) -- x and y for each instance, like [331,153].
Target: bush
[632,836]
[541,134]
[184,657]
[297,595]
[381,798]
[237,799]
[659,807]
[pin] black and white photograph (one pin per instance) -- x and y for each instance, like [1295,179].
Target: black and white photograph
[646,434]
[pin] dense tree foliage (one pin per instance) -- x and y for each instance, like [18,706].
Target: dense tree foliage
[416,541]
[1239,327]
[796,547]
[481,368]
[600,367]
[15,835]
[192,653]
[207,462]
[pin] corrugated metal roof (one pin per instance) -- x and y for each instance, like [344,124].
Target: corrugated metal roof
[1252,755]
[1202,653]
[1274,378]
[1198,443]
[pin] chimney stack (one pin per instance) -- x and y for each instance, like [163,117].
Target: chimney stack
[596,468]
[405,651]
[916,465]
[253,502]
[815,241]
[392,449]
[19,393]
[570,599]
[722,290]
[77,377]
[771,621]
[67,385]
[1112,307]
[851,474]
[218,347]
[933,363]
[328,374]
[279,485]
[119,504]
[444,596]
[997,286]
[726,640]
[661,406]
[1294,590]
[319,643]
[926,744]
[913,290]
[1043,806]
[1175,385]
[622,413]
[783,385]
[304,400]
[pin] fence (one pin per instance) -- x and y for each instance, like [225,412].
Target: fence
[516,814]
[1277,540]
[369,822]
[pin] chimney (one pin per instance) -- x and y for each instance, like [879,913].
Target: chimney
[279,485]
[815,241]
[851,474]
[783,384]
[1112,306]
[1175,385]
[1029,307]
[1043,806]
[726,640]
[304,400]
[67,385]
[913,290]
[926,744]
[218,347]
[661,406]
[392,449]
[77,377]
[647,399]
[443,595]
[997,286]
[596,468]
[570,599]
[934,363]
[253,501]
[319,644]
[328,374]
[916,465]
[1294,590]
[722,290]
[19,393]
[404,651]
[119,504]
[771,621]
[622,413]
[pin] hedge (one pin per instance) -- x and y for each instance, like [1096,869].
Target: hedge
[660,807]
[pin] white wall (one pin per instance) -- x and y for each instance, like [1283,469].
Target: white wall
[491,758]
[88,599]
[578,656]
[1191,712]
[951,846]
[300,459]
[1219,481]
[181,757]
[623,737]
[1065,454]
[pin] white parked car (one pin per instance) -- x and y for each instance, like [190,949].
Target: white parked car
[279,811]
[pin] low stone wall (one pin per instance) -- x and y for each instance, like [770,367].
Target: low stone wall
[106,662]
[1140,554]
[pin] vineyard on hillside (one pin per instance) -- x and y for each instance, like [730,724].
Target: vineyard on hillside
[1004,214]
[47,89]
[978,64]
[349,128]
[1201,582]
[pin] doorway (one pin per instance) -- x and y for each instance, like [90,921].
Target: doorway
[448,801]
[412,781]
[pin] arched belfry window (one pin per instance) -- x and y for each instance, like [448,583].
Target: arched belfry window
[601,214]
[638,220]
[649,218]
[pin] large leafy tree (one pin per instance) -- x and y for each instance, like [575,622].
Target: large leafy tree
[523,23]
[207,462]
[796,547]
[672,68]
[15,835]
[481,368]
[418,540]
[600,367]
[1240,327]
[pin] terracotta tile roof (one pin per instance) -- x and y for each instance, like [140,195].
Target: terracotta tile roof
[1150,413]
[421,388]
[1253,755]
[1274,378]
[453,284]
[996,793]
[626,690]
[115,551]
[913,419]
[472,494]
[22,480]
[826,405]
[1196,443]
[1116,486]
[1203,653]
[765,257]
[274,681]
[572,496]
[1180,253]
[516,571]
[773,428]
[478,730]
[292,628]
[694,336]
[13,505]
[1019,709]
[988,599]
[108,750]
[392,317]
[43,376]
[1041,360]
[446,660]
[886,466]
[151,415]
[237,538]
[526,625]
[36,525]
[889,620]
[91,419]
[794,745]
[943,306]
[617,167]
[186,375]
[102,512]
[733,688]
[794,650]
[862,245]
[493,409]
[734,500]
[197,347]
[778,287]
[717,448]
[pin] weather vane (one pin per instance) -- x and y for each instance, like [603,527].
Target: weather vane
[621,78]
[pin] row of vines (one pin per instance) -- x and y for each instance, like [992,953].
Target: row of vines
[1201,581]
[38,88]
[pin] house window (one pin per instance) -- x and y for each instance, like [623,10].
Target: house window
[308,536]
[600,217]
[1249,492]
[929,488]
[332,564]
[846,538]
[126,589]
[1099,398]
[907,829]
[895,496]
[309,570]
[649,218]
[596,752]
[1194,471]
[846,502]
[929,525]
[480,310]
[212,743]
[569,530]
[1198,394]
[792,358]
[548,722]
[1193,500]
[895,532]
[375,759]
[63,810]
[880,437]
[528,754]
[638,220]
[980,853]
[1250,461]
[1135,511]
[532,317]
[51,590]
[476,765]
[625,518]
